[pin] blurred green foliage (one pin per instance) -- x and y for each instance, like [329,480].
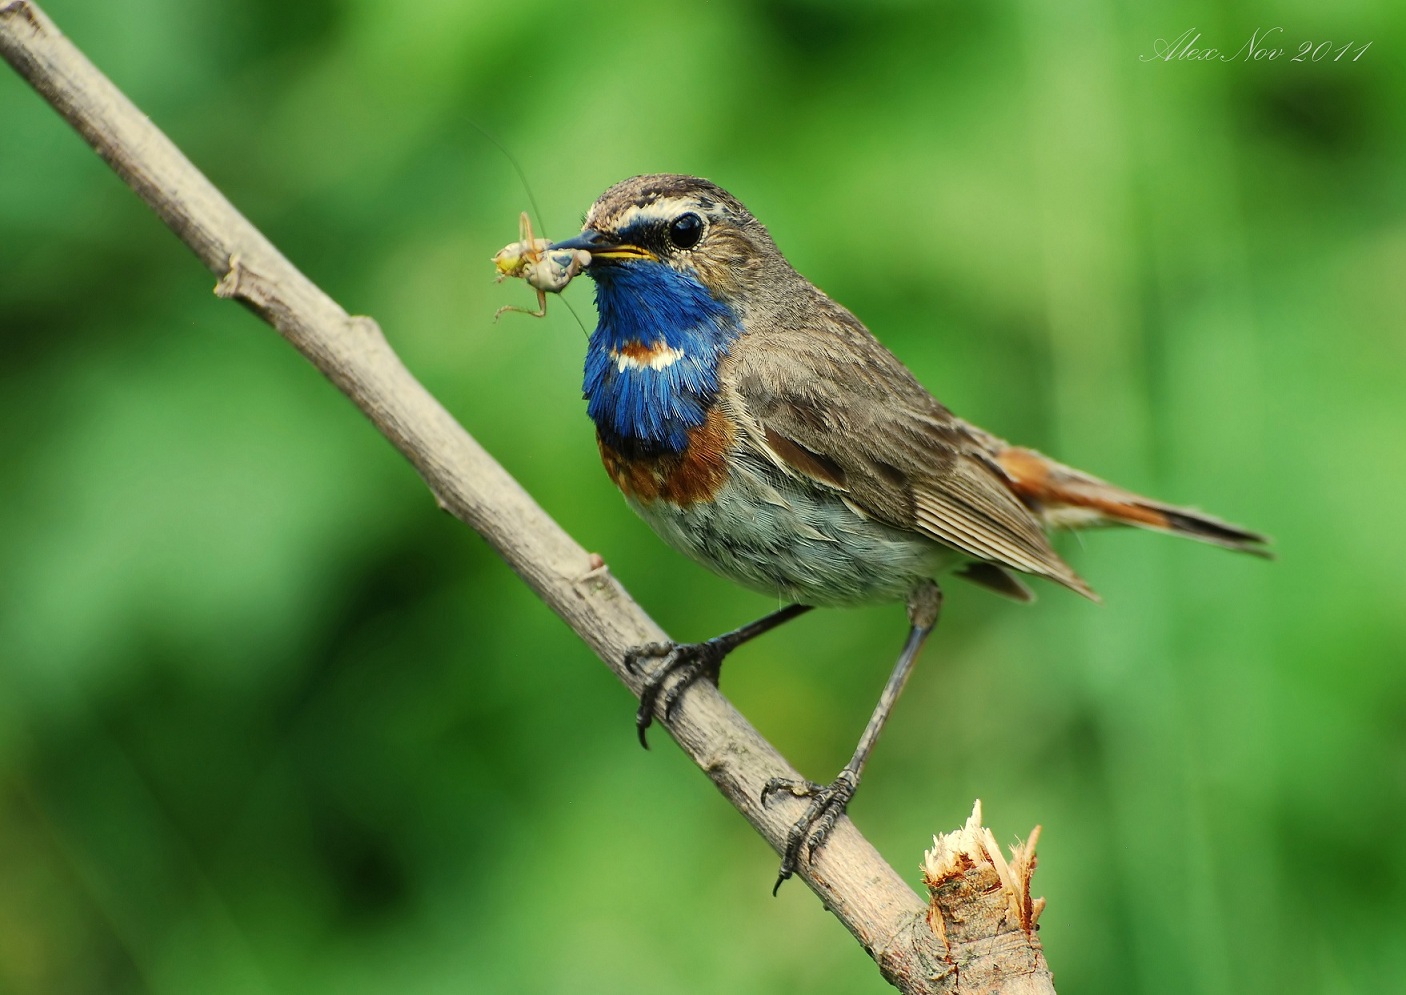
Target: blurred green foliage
[270,723]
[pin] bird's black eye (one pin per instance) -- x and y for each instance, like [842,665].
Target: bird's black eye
[686,230]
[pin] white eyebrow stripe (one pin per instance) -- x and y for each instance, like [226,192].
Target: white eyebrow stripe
[665,209]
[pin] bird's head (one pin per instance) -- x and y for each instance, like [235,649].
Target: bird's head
[667,231]
[681,271]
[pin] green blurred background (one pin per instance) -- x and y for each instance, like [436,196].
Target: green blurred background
[269,722]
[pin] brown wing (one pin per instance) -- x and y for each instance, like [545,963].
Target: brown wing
[834,405]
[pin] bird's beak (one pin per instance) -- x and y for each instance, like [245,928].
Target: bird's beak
[603,248]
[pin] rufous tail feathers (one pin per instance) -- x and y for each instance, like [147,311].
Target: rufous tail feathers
[1066,498]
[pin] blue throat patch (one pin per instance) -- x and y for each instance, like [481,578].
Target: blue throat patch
[652,362]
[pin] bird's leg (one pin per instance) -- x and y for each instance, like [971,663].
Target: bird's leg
[828,801]
[686,662]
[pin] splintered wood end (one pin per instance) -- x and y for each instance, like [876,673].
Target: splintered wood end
[981,906]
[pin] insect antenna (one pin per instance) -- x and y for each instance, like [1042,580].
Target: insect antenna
[517,167]
[584,331]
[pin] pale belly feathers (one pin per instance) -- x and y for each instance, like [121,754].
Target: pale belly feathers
[774,533]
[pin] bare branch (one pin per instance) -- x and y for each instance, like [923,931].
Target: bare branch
[848,875]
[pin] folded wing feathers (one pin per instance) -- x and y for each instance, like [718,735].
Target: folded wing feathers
[878,437]
[985,520]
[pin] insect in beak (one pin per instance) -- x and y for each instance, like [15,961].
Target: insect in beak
[547,268]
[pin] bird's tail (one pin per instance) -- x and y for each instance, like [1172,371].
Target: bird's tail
[1067,498]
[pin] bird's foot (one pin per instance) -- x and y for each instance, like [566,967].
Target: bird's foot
[827,804]
[681,665]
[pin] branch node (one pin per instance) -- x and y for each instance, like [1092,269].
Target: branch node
[368,328]
[228,286]
[596,569]
[241,283]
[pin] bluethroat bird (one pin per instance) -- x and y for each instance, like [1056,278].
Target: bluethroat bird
[760,429]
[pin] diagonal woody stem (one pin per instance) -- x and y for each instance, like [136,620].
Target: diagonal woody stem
[848,875]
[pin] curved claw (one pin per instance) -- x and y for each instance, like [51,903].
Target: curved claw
[808,834]
[692,661]
[689,661]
